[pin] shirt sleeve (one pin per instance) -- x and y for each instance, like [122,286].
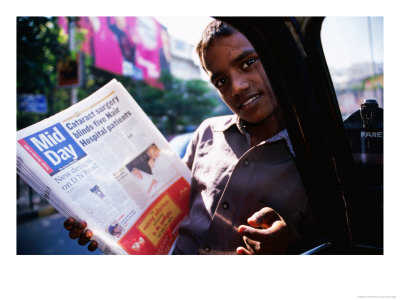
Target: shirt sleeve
[188,158]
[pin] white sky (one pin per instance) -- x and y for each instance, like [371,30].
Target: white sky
[345,39]
[188,28]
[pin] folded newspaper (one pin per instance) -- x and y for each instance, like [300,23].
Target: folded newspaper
[102,160]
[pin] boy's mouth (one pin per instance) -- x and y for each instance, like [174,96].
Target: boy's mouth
[249,101]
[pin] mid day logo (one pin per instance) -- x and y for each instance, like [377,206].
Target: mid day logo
[54,146]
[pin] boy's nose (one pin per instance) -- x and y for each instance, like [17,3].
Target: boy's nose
[239,85]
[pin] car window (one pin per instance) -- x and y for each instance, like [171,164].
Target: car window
[353,48]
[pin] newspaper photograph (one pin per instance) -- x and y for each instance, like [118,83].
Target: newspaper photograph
[102,160]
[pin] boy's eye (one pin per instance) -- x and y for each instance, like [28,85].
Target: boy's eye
[220,82]
[248,62]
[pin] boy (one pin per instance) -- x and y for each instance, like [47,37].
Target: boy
[246,194]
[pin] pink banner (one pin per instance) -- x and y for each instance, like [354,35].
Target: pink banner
[131,46]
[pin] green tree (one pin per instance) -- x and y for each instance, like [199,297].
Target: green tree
[38,50]
[180,105]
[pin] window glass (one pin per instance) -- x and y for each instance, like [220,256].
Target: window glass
[353,48]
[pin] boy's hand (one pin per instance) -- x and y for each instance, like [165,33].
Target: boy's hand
[268,233]
[77,230]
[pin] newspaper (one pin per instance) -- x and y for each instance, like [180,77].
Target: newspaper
[102,160]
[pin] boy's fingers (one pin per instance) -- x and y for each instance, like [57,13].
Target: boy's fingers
[93,246]
[77,229]
[85,237]
[264,217]
[69,223]
[242,251]
[252,246]
[254,233]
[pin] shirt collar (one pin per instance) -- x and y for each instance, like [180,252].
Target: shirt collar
[227,123]
[282,135]
[235,120]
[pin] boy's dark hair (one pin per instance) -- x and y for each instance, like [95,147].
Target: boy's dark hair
[213,30]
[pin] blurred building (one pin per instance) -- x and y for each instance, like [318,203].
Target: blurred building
[344,78]
[356,83]
[182,65]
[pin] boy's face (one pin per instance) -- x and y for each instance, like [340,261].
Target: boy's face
[236,71]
